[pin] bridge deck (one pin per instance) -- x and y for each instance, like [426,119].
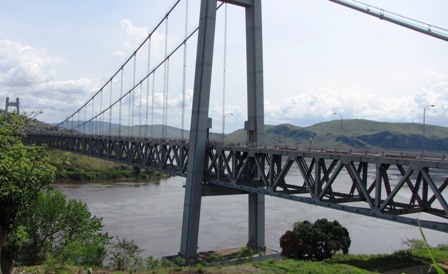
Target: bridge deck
[401,187]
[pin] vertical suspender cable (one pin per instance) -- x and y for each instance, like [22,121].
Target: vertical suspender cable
[224,72]
[184,76]
[132,99]
[152,102]
[102,115]
[165,81]
[147,87]
[140,113]
[120,105]
[91,128]
[165,99]
[85,119]
[110,110]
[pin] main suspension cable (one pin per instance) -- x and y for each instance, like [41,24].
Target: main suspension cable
[122,96]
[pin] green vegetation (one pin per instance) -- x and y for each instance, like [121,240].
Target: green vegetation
[428,248]
[24,171]
[57,232]
[125,255]
[415,255]
[318,241]
[341,263]
[83,168]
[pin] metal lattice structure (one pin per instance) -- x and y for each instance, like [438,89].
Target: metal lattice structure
[402,185]
[391,186]
[154,154]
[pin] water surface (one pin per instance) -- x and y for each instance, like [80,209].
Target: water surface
[151,215]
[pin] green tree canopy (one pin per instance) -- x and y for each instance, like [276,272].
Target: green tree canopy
[63,229]
[318,241]
[24,171]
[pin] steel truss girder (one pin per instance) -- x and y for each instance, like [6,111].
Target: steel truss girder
[382,186]
[158,155]
[400,186]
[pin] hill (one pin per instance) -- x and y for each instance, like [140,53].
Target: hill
[356,134]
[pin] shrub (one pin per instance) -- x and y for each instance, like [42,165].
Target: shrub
[245,253]
[319,241]
[151,263]
[59,230]
[125,255]
[216,257]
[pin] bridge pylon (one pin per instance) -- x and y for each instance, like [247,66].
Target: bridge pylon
[12,104]
[200,122]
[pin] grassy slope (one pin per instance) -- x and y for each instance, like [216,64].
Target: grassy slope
[338,264]
[79,167]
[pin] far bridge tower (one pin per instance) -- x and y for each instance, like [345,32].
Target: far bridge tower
[12,104]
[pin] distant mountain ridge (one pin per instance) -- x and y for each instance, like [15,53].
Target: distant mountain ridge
[356,134]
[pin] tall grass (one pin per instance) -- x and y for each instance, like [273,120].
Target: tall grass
[434,262]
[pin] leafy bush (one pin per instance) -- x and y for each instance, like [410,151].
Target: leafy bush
[319,241]
[151,263]
[216,257]
[245,253]
[125,255]
[61,229]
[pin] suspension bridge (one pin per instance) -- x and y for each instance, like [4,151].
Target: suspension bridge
[118,124]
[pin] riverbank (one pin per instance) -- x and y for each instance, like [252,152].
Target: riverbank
[73,167]
[404,261]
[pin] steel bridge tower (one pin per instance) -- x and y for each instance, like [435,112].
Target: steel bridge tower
[200,123]
[12,104]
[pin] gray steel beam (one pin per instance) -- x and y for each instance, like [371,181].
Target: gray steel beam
[243,3]
[254,55]
[434,225]
[198,131]
[255,109]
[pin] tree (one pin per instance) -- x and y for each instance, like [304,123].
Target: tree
[319,241]
[63,229]
[24,171]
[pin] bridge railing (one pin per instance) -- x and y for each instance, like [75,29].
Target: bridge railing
[413,154]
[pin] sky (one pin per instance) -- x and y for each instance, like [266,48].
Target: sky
[320,58]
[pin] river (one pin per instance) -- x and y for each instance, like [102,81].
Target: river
[151,214]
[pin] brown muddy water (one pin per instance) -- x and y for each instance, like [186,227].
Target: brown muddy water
[151,214]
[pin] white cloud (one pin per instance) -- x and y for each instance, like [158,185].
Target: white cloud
[23,65]
[29,74]
[431,73]
[354,102]
[135,34]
